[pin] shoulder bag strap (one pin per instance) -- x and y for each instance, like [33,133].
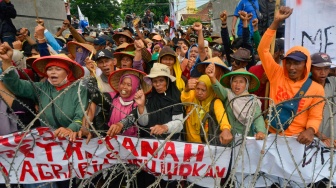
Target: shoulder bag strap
[301,93]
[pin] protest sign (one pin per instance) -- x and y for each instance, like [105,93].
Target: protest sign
[312,25]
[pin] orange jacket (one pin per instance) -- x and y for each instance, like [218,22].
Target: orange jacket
[282,88]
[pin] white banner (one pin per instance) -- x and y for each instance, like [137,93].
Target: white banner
[283,158]
[42,158]
[39,157]
[313,26]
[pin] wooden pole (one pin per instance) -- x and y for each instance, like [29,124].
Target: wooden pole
[267,90]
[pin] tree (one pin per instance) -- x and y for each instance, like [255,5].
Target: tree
[190,21]
[159,8]
[98,11]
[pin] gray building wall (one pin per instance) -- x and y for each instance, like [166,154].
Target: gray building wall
[218,6]
[51,11]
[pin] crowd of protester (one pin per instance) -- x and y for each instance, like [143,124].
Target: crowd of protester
[134,83]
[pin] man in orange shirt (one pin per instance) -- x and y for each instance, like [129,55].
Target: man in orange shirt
[287,80]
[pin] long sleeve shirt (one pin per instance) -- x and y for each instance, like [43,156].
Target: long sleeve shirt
[283,88]
[65,111]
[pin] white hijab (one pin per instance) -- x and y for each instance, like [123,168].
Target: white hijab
[242,105]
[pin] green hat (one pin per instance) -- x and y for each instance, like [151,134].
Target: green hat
[149,64]
[253,80]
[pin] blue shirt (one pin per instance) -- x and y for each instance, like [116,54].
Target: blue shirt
[246,5]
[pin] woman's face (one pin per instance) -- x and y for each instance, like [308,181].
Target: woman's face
[125,88]
[160,84]
[193,52]
[56,75]
[201,91]
[168,60]
[238,85]
[126,62]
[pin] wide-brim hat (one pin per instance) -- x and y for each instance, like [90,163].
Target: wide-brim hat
[216,60]
[216,41]
[40,64]
[157,37]
[61,38]
[30,60]
[253,80]
[114,79]
[148,40]
[122,47]
[72,47]
[117,36]
[119,55]
[242,54]
[130,47]
[157,70]
[214,37]
[145,54]
[151,35]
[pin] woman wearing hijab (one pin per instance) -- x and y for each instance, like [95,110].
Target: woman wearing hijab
[115,106]
[203,95]
[65,112]
[164,117]
[240,105]
[168,57]
[160,121]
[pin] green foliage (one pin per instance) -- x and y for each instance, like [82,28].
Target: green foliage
[98,11]
[158,7]
[190,21]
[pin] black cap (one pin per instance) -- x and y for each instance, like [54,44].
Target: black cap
[104,53]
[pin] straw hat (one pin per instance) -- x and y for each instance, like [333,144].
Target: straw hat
[40,64]
[130,47]
[216,41]
[122,47]
[145,54]
[30,60]
[157,37]
[253,80]
[72,47]
[119,55]
[151,35]
[114,79]
[148,40]
[216,60]
[157,70]
[214,37]
[124,33]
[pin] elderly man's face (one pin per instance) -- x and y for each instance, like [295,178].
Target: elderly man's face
[295,69]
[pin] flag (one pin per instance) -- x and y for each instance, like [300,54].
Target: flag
[82,22]
[80,15]
[172,22]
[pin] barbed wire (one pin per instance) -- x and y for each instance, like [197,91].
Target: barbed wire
[241,156]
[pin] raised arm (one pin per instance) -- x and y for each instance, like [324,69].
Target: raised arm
[226,37]
[199,29]
[269,64]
